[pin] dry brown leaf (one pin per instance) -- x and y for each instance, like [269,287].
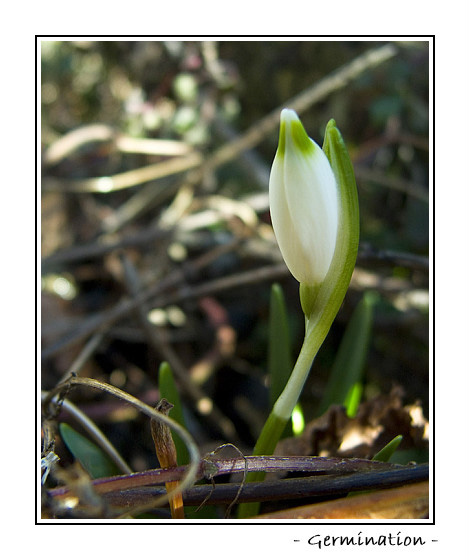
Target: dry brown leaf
[377,422]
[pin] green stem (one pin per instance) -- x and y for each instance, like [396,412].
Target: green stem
[317,327]
[282,412]
[270,435]
[265,445]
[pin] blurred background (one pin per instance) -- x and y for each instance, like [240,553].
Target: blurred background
[155,162]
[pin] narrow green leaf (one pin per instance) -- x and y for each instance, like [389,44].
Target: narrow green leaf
[349,362]
[383,455]
[298,420]
[92,458]
[169,390]
[352,400]
[386,452]
[279,349]
[279,352]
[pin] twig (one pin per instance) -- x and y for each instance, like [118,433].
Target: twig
[126,179]
[396,258]
[211,467]
[261,274]
[190,473]
[75,139]
[215,417]
[85,353]
[292,488]
[93,430]
[253,136]
[408,187]
[98,249]
[301,102]
[107,318]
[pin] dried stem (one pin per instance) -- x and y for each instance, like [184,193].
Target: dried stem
[190,473]
[166,453]
[215,417]
[210,467]
[292,488]
[253,136]
[92,429]
[107,318]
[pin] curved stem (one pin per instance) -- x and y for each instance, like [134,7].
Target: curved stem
[287,400]
[100,439]
[191,473]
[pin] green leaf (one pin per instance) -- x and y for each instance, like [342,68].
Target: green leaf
[344,382]
[169,390]
[383,455]
[298,420]
[352,400]
[279,352]
[92,458]
[386,452]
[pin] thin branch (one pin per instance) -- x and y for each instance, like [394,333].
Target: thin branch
[215,417]
[291,488]
[191,472]
[126,179]
[301,102]
[394,183]
[98,249]
[253,136]
[69,143]
[263,274]
[395,258]
[211,468]
[107,318]
[92,429]
[84,355]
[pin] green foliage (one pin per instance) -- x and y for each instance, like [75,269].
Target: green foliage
[279,351]
[386,452]
[279,348]
[92,458]
[383,455]
[344,383]
[353,398]
[280,357]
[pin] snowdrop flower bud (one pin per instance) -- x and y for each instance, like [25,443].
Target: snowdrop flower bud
[304,202]
[315,216]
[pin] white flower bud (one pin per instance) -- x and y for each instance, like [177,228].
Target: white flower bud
[304,202]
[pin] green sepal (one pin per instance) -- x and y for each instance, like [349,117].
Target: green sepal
[348,230]
[308,295]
